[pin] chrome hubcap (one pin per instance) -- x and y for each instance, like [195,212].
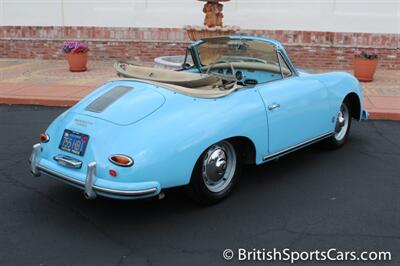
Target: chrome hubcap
[342,122]
[341,119]
[219,166]
[215,165]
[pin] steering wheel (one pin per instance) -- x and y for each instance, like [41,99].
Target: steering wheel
[230,77]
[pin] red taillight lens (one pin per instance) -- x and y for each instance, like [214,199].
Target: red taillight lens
[44,137]
[121,160]
[112,173]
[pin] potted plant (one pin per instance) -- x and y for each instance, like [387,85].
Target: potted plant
[77,55]
[365,63]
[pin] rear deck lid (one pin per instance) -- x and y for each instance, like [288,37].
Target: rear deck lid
[124,104]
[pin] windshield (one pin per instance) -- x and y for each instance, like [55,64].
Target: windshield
[231,50]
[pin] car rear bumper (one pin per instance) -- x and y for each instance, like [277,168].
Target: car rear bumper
[91,185]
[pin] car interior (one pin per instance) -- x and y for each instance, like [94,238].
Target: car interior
[223,65]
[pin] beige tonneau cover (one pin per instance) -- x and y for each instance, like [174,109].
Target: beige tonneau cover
[181,78]
[211,91]
[192,84]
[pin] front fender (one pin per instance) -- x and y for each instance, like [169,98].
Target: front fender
[339,86]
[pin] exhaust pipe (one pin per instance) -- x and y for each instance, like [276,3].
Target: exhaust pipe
[37,174]
[89,196]
[161,195]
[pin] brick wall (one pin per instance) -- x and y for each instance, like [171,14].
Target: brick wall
[306,49]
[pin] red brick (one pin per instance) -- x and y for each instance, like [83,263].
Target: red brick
[316,49]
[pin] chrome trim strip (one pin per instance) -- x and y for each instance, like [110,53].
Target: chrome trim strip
[61,176]
[280,65]
[286,62]
[81,184]
[296,147]
[127,192]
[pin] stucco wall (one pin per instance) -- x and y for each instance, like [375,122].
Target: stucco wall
[373,16]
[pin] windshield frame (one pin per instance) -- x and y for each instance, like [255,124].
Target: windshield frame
[233,50]
[278,48]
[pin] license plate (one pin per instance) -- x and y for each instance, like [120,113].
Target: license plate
[74,142]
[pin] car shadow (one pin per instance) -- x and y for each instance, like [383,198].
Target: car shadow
[254,177]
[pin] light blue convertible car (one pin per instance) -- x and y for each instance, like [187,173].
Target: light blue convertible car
[239,101]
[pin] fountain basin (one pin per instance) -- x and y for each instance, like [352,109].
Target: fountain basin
[200,32]
[173,62]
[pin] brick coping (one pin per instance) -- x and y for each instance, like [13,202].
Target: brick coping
[185,42]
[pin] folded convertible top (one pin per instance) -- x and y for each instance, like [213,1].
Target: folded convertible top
[180,78]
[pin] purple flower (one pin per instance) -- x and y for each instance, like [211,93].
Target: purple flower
[366,54]
[75,47]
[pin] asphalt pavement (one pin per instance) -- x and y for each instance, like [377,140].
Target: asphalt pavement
[313,199]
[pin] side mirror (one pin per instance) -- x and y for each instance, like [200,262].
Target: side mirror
[186,65]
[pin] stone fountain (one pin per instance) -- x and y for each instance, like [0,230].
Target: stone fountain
[213,25]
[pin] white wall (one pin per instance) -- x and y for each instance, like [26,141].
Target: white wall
[381,16]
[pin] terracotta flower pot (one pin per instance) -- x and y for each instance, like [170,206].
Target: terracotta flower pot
[364,69]
[77,61]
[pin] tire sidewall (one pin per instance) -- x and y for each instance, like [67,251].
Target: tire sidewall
[197,187]
[333,142]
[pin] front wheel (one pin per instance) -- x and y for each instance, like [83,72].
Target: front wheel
[215,173]
[342,127]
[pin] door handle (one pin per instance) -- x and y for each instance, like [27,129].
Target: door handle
[273,106]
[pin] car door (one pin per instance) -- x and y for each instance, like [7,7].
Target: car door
[297,110]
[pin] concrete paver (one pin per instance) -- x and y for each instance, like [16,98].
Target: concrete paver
[48,82]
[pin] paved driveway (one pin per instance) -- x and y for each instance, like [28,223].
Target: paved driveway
[347,199]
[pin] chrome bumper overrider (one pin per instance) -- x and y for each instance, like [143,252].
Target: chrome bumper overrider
[89,187]
[364,115]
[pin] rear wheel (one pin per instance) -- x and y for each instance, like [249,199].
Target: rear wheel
[342,127]
[215,173]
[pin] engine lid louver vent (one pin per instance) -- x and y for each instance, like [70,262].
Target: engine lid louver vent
[108,98]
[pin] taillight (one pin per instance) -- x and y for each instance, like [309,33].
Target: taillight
[121,160]
[112,172]
[44,137]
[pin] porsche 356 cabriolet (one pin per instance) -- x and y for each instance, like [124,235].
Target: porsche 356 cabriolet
[242,101]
